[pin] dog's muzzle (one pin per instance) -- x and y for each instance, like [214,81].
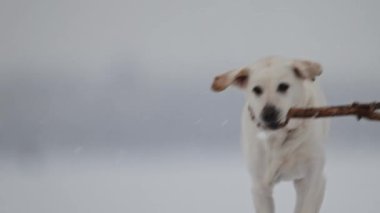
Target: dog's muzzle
[270,116]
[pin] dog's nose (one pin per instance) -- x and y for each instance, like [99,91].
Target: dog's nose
[270,114]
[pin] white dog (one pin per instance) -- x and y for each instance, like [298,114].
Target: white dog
[293,153]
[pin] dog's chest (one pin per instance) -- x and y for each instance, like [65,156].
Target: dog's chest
[284,158]
[290,168]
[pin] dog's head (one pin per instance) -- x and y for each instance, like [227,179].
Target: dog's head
[272,86]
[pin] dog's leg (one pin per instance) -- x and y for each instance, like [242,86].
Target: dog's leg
[310,193]
[263,199]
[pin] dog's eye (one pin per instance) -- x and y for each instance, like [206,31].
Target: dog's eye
[283,87]
[257,90]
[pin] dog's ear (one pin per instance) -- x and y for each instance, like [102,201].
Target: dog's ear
[306,69]
[237,77]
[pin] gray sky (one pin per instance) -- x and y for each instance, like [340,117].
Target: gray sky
[136,74]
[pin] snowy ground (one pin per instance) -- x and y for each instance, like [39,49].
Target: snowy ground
[175,183]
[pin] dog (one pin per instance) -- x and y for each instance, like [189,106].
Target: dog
[275,153]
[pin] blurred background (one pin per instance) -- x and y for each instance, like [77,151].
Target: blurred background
[105,106]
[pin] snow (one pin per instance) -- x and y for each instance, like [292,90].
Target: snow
[186,185]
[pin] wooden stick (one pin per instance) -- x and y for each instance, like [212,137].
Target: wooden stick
[367,111]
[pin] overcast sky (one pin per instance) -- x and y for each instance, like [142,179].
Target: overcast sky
[136,74]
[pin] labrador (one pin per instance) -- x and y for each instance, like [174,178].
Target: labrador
[274,153]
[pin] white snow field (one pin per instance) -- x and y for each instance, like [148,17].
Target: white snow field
[176,183]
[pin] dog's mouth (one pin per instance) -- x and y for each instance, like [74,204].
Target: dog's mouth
[270,117]
[272,126]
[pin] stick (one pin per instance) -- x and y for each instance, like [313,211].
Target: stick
[367,111]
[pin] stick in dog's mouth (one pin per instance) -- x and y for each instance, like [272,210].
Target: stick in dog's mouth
[369,111]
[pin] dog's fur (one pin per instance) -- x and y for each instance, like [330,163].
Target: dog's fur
[293,153]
